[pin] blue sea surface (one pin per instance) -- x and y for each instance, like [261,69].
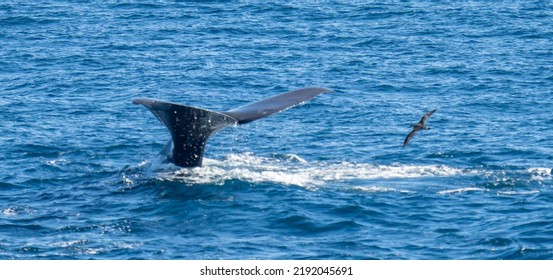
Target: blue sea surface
[81,176]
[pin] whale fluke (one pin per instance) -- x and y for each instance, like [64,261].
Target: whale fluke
[416,127]
[191,127]
[272,105]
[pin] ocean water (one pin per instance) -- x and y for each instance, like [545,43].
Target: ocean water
[81,178]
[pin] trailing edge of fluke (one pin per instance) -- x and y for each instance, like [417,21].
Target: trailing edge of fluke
[190,127]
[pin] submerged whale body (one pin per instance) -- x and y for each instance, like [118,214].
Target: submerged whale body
[190,127]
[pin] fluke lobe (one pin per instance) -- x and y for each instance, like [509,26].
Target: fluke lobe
[190,127]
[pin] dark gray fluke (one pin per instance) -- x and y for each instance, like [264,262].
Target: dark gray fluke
[191,127]
[272,105]
[417,127]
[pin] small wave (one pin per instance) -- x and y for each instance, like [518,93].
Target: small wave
[25,20]
[521,180]
[378,189]
[463,190]
[88,247]
[528,192]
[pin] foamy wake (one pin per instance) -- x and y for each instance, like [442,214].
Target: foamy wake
[363,177]
[293,170]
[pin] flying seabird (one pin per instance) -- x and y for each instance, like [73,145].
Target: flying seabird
[417,127]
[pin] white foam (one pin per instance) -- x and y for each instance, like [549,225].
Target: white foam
[539,173]
[57,162]
[17,210]
[375,171]
[293,170]
[127,180]
[65,244]
[9,212]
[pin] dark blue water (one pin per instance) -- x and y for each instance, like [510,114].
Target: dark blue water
[80,175]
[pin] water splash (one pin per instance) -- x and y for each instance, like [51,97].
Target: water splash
[293,170]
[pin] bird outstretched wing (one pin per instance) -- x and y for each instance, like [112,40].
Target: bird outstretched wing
[409,136]
[426,116]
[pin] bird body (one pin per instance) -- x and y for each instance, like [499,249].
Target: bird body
[416,127]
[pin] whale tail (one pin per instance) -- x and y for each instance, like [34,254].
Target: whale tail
[191,127]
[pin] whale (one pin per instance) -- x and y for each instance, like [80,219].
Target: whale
[190,127]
